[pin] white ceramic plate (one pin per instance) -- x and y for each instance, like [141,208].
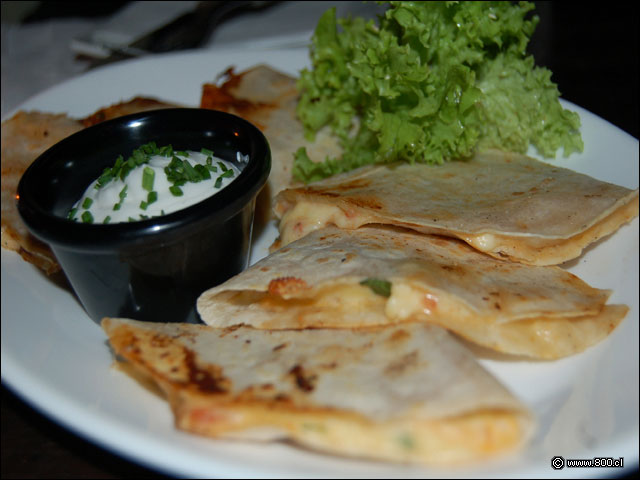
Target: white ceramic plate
[57,359]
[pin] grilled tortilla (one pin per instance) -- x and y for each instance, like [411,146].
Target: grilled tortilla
[407,393]
[506,205]
[317,281]
[25,136]
[268,98]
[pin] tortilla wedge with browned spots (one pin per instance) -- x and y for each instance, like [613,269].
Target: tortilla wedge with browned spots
[334,278]
[407,393]
[268,98]
[504,204]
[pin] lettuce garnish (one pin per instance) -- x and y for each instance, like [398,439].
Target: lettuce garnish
[429,82]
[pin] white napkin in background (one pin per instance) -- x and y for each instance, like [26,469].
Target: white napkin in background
[129,24]
[38,55]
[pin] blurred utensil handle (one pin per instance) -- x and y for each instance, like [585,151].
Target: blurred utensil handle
[188,31]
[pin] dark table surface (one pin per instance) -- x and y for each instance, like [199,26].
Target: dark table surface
[592,50]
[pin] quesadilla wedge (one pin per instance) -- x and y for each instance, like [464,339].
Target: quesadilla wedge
[334,278]
[506,205]
[25,136]
[407,393]
[268,99]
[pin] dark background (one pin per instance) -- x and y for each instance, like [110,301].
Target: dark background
[592,49]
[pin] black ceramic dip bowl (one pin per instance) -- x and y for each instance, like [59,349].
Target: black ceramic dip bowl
[152,269]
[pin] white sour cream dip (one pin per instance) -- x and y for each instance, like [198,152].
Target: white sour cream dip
[160,185]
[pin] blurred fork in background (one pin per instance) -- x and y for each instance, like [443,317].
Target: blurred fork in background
[189,30]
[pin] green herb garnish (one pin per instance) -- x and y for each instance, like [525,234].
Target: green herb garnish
[202,172]
[166,151]
[139,157]
[151,197]
[314,427]
[103,179]
[227,173]
[175,191]
[149,149]
[378,286]
[191,173]
[87,217]
[179,171]
[148,176]
[406,441]
[122,195]
[121,168]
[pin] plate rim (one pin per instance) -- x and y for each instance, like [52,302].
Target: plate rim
[8,376]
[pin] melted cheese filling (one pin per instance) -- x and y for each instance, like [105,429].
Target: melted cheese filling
[351,305]
[468,437]
[543,251]
[341,304]
[333,306]
[306,217]
[340,296]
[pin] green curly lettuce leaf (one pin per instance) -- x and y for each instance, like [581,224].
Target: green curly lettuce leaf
[429,82]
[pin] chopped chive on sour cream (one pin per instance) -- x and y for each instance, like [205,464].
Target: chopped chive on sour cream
[153,181]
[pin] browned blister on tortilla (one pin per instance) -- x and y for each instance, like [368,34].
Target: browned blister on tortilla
[506,205]
[25,136]
[268,99]
[135,105]
[407,393]
[540,312]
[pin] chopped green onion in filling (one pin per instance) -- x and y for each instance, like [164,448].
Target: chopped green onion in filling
[378,286]
[406,441]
